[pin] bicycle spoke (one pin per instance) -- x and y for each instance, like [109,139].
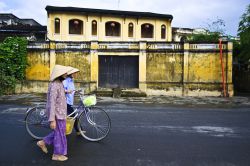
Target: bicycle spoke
[36,123]
[99,129]
[95,122]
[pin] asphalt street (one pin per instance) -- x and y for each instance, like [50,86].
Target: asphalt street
[142,134]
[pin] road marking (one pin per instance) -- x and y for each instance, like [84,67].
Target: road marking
[14,111]
[215,131]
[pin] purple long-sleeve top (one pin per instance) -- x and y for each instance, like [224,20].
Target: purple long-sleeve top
[56,106]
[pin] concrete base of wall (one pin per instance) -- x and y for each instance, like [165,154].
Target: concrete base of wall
[32,87]
[186,92]
[123,92]
[188,89]
[37,86]
[156,90]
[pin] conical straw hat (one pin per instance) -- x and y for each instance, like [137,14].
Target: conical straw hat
[58,71]
[73,70]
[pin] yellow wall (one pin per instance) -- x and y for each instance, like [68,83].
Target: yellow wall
[78,60]
[38,65]
[206,67]
[164,68]
[101,20]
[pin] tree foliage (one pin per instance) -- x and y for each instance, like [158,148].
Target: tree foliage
[214,30]
[13,62]
[244,33]
[217,26]
[236,48]
[211,37]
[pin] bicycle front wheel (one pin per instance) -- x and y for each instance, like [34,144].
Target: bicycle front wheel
[94,124]
[36,123]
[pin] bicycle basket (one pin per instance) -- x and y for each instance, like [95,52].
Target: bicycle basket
[69,125]
[89,101]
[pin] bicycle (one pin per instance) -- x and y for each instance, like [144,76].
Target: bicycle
[93,122]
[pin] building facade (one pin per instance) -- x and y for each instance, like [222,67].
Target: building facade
[84,24]
[126,50]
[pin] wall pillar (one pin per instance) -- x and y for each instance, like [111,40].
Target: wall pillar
[142,66]
[185,73]
[229,71]
[52,55]
[94,65]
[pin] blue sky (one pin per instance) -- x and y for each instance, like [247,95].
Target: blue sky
[186,13]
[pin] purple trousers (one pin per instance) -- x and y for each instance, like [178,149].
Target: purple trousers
[58,138]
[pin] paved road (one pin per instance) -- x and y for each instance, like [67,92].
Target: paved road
[141,135]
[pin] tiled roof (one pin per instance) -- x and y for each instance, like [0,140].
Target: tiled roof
[52,9]
[8,16]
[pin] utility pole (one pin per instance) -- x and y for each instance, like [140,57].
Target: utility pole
[118,3]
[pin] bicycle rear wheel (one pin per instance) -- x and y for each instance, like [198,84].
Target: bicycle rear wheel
[94,124]
[36,123]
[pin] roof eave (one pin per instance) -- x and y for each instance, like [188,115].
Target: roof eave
[52,9]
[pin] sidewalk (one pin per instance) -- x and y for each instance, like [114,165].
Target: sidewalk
[220,102]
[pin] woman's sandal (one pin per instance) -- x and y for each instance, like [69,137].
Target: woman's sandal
[42,146]
[59,158]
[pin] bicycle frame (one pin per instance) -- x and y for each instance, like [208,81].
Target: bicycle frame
[77,110]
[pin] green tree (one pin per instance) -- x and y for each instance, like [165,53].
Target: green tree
[13,62]
[244,33]
[214,30]
[208,37]
[217,26]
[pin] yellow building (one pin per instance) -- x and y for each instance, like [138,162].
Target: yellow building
[84,24]
[128,50]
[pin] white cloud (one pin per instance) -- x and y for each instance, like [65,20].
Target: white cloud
[2,6]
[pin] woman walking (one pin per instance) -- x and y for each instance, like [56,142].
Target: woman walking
[56,108]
